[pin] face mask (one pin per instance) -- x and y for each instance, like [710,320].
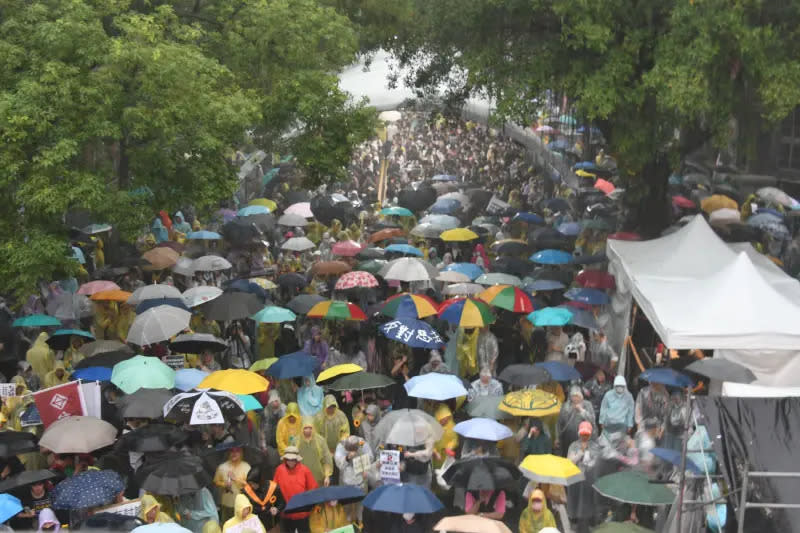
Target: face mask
[619,389]
[333,503]
[408,517]
[537,506]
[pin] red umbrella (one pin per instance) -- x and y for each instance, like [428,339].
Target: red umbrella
[602,185]
[595,279]
[683,202]
[346,248]
[355,279]
[625,236]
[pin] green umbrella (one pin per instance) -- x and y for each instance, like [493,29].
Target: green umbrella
[633,487]
[373,266]
[250,402]
[620,527]
[487,407]
[36,321]
[142,372]
[272,314]
[397,211]
[360,381]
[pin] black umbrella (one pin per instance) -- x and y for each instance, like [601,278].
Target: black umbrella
[306,501]
[262,221]
[554,274]
[371,253]
[722,370]
[197,343]
[292,280]
[205,407]
[482,473]
[296,196]
[383,224]
[16,442]
[239,232]
[417,199]
[232,306]
[144,403]
[174,475]
[303,303]
[479,198]
[557,204]
[110,522]
[513,265]
[152,438]
[325,209]
[592,259]
[93,348]
[512,247]
[107,359]
[28,477]
[245,285]
[524,375]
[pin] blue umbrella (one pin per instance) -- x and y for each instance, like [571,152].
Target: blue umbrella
[583,318]
[445,207]
[667,376]
[9,506]
[92,488]
[544,285]
[293,365]
[587,296]
[250,403]
[406,249]
[412,332]
[403,498]
[769,211]
[155,302]
[434,386]
[531,218]
[483,429]
[444,221]
[584,165]
[559,145]
[444,177]
[570,229]
[188,378]
[551,257]
[396,211]
[92,373]
[674,457]
[203,235]
[273,314]
[559,371]
[35,321]
[253,210]
[468,269]
[594,132]
[77,255]
[245,285]
[305,501]
[550,316]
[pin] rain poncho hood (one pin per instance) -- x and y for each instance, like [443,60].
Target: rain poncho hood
[180,223]
[617,410]
[159,231]
[40,356]
[288,431]
[335,427]
[52,379]
[449,440]
[250,522]
[149,503]
[309,397]
[316,456]
[48,517]
[533,522]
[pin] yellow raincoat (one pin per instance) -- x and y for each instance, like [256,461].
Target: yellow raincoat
[10,405]
[533,522]
[333,428]
[51,379]
[239,521]
[40,356]
[150,512]
[467,350]
[200,324]
[327,517]
[105,316]
[316,455]
[289,428]
[99,254]
[73,355]
[449,440]
[127,314]
[267,335]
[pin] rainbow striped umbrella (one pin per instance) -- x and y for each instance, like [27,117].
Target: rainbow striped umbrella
[409,305]
[336,310]
[466,312]
[507,297]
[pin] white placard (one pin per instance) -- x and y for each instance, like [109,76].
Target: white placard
[7,390]
[390,466]
[130,508]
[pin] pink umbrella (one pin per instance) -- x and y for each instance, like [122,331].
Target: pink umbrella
[354,279]
[346,248]
[683,202]
[97,286]
[302,208]
[606,186]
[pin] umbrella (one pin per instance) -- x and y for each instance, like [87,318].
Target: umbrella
[408,269]
[559,371]
[293,365]
[330,267]
[531,402]
[359,381]
[174,475]
[548,468]
[468,269]
[406,305]
[248,286]
[158,324]
[405,249]
[722,370]
[412,332]
[36,321]
[453,277]
[396,211]
[337,310]
[776,196]
[292,220]
[590,259]
[482,473]
[718,201]
[570,229]
[204,407]
[27,477]
[373,266]
[105,359]
[403,498]
[235,380]
[496,278]
[302,209]
[354,280]
[487,407]
[115,295]
[210,263]
[92,373]
[188,378]
[416,199]
[60,339]
[153,438]
[85,490]
[444,221]
[530,218]
[673,457]
[542,285]
[427,230]
[470,524]
[435,386]
[184,266]
[10,506]
[458,235]
[232,306]
[385,234]
[507,297]
[197,343]
[200,295]
[620,527]
[515,266]
[408,427]
[524,375]
[633,487]
[683,202]
[583,318]
[161,258]
[272,314]
[292,280]
[346,248]
[371,253]
[483,429]
[306,501]
[249,402]
[605,186]
[17,442]
[142,372]
[463,289]
[298,244]
[327,208]
[550,316]
[551,257]
[466,312]
[262,364]
[203,235]
[338,370]
[95,286]
[303,303]
[78,434]
[666,376]
[253,210]
[510,247]
[144,403]
[595,279]
[444,177]
[445,207]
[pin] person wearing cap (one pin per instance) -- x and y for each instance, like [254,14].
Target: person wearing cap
[231,477]
[316,455]
[536,516]
[293,477]
[585,453]
[617,408]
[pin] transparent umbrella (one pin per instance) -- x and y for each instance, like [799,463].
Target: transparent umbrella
[408,427]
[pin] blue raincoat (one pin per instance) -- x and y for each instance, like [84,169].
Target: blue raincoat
[616,411]
[309,397]
[159,231]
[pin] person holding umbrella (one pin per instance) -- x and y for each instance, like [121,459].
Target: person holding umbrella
[293,477]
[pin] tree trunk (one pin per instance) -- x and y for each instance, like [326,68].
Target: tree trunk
[123,167]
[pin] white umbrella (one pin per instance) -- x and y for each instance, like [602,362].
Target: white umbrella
[153,292]
[298,244]
[200,295]
[390,116]
[451,276]
[78,434]
[292,220]
[776,196]
[444,221]
[301,208]
[499,278]
[184,266]
[408,427]
[158,324]
[463,289]
[427,230]
[211,263]
[726,215]
[409,269]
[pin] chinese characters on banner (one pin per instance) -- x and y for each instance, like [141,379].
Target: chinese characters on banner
[390,466]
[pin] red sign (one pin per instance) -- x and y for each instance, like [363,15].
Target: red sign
[59,402]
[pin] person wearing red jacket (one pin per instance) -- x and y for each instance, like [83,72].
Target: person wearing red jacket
[293,477]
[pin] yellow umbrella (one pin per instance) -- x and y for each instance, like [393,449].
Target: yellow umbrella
[547,468]
[266,202]
[531,402]
[236,381]
[114,295]
[458,235]
[582,173]
[718,201]
[262,364]
[338,370]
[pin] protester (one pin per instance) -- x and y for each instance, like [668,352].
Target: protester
[316,455]
[293,477]
[485,385]
[331,423]
[243,518]
[573,413]
[617,409]
[536,516]
[289,428]
[581,496]
[231,476]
